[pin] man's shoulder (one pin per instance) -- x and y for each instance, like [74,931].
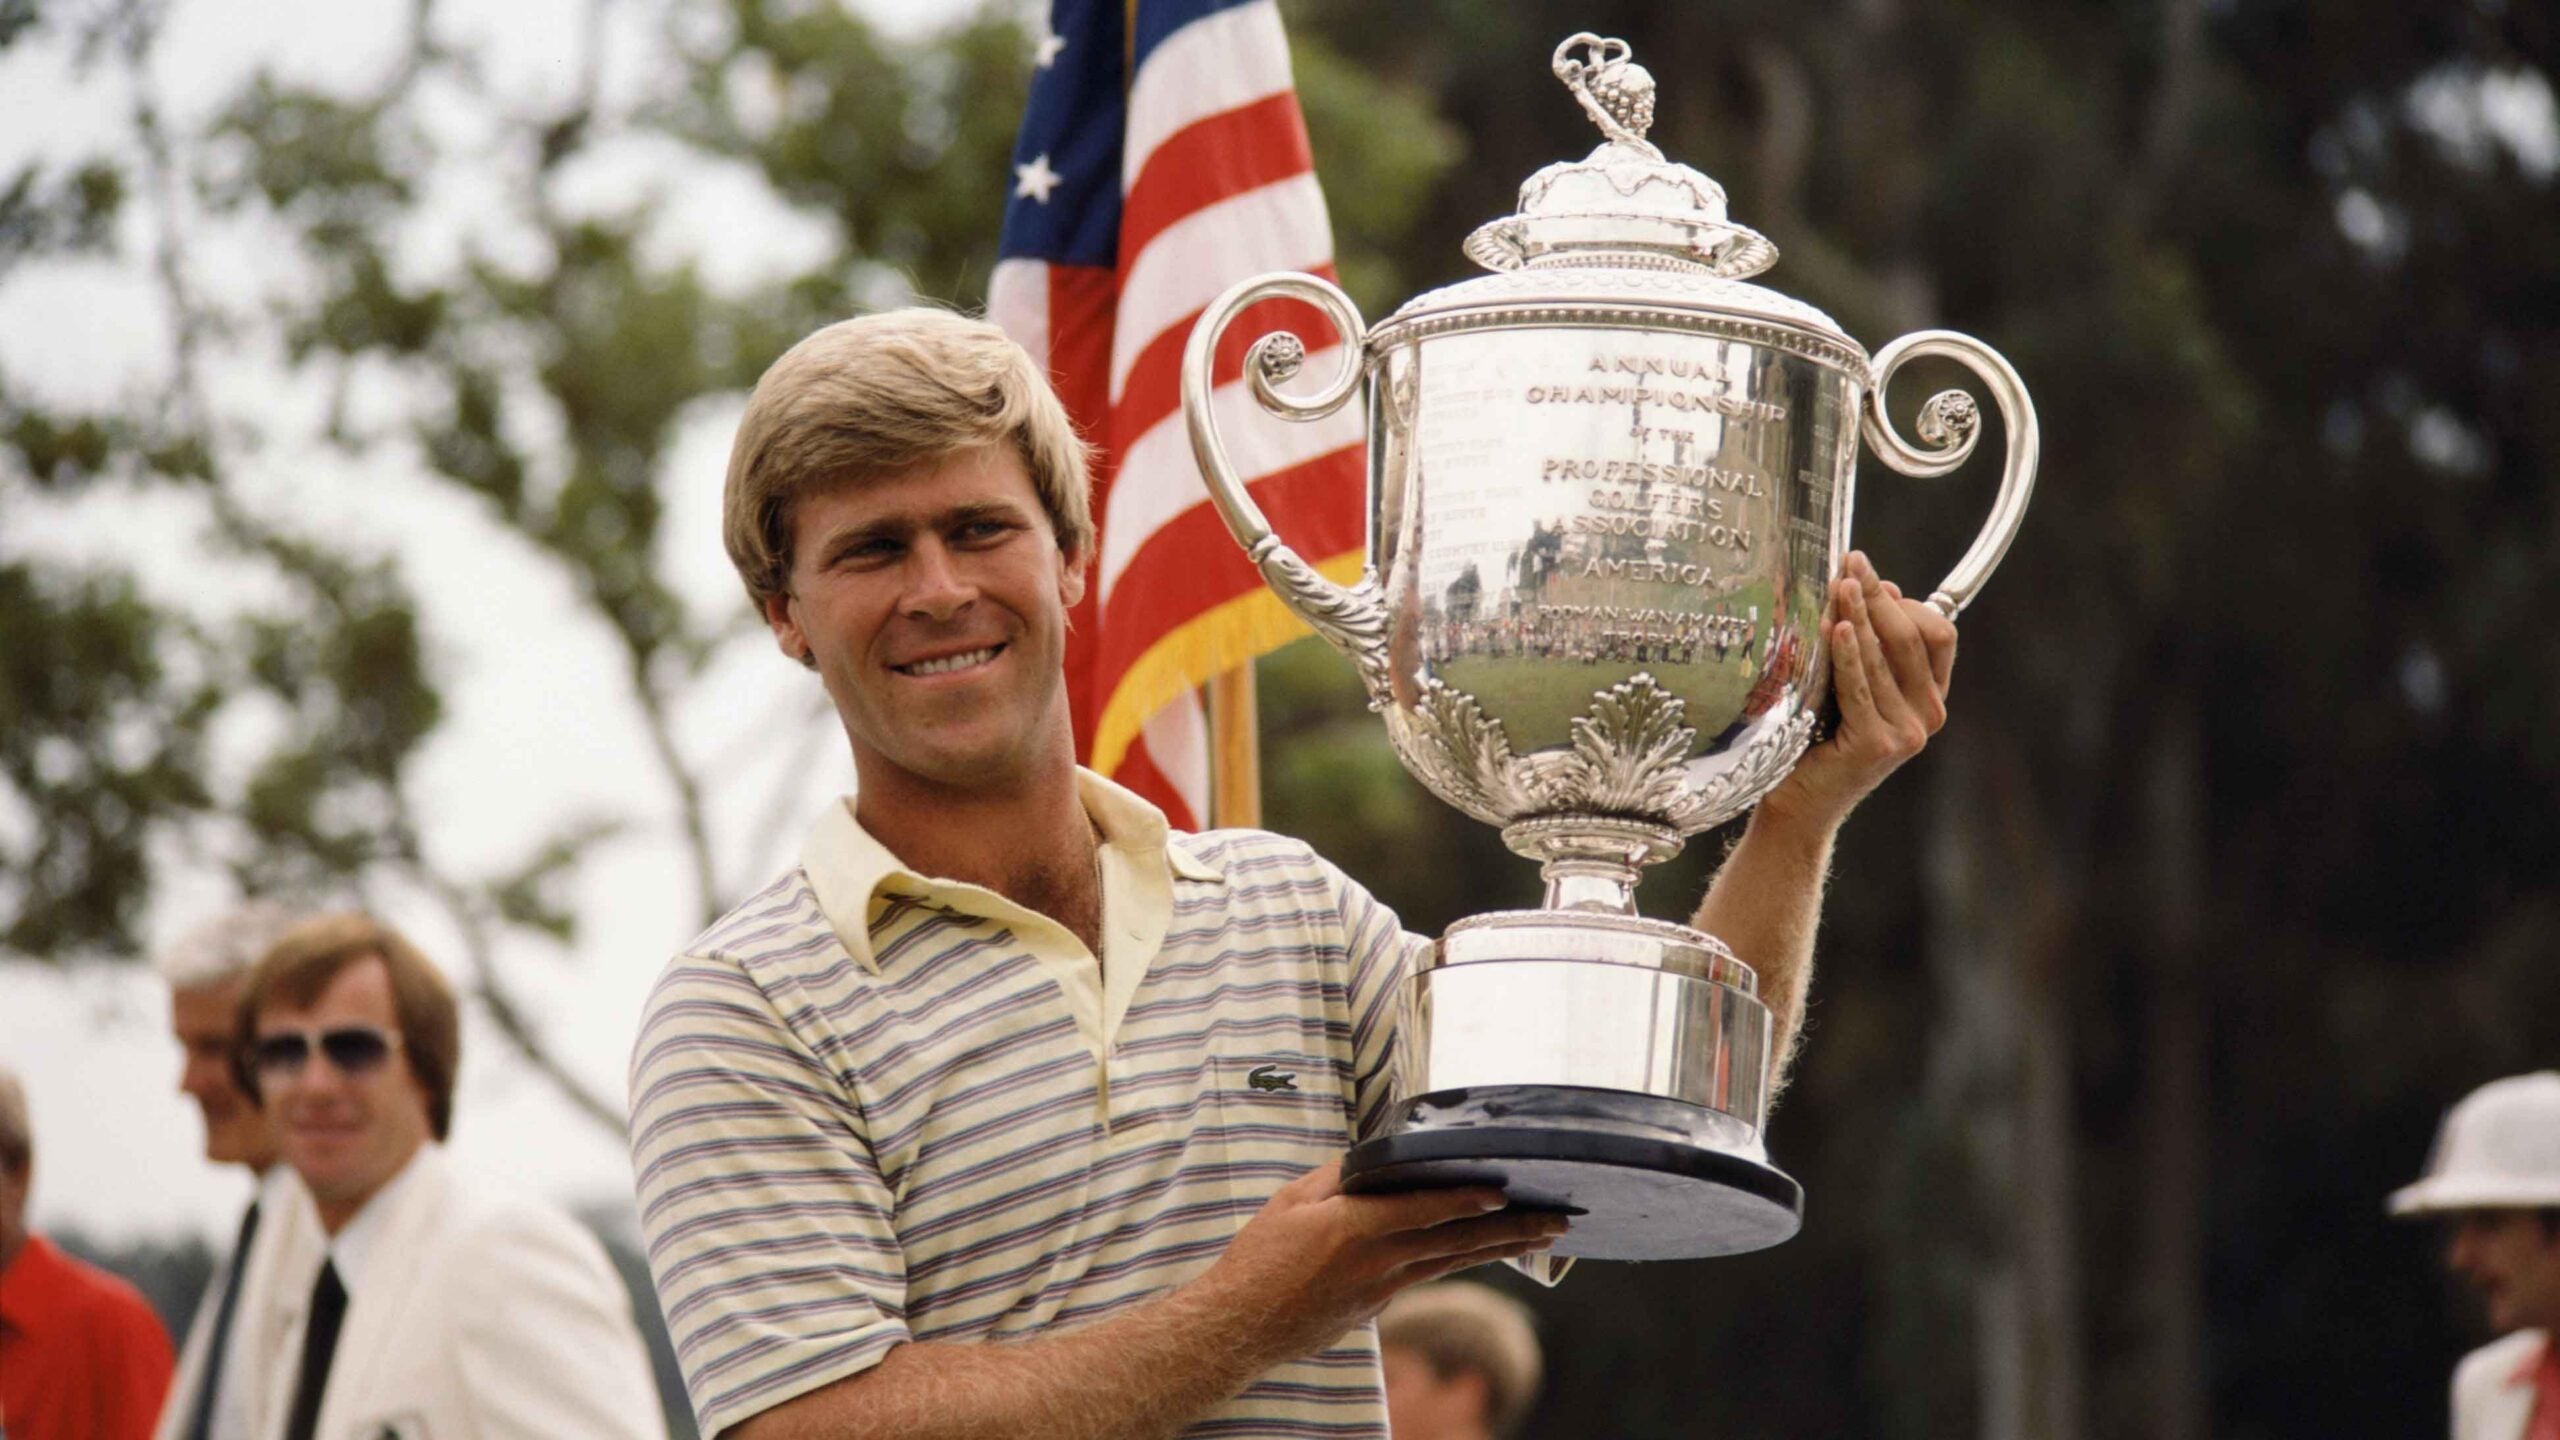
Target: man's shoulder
[1241,854]
[778,931]
[492,1220]
[96,1295]
[2497,1362]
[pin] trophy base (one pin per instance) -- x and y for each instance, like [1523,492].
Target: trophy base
[1631,1197]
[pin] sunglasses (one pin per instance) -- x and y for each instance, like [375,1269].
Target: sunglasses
[353,1049]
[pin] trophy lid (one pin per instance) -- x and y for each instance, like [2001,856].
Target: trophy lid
[1624,196]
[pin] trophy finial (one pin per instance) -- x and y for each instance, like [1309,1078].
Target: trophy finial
[1612,89]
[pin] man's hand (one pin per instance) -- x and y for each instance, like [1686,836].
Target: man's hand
[1315,1262]
[1891,659]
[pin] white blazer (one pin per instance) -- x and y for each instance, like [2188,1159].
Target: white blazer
[479,1316]
[288,1243]
[2489,1402]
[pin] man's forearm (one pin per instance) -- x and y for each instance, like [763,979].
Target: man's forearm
[1765,902]
[1145,1373]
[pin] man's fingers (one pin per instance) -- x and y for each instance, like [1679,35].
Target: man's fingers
[1936,632]
[1849,678]
[1431,1270]
[1502,1230]
[1866,607]
[1905,651]
[1424,1210]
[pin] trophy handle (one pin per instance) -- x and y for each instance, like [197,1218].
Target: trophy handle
[1947,427]
[1353,619]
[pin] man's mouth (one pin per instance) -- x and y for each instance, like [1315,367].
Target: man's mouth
[948,663]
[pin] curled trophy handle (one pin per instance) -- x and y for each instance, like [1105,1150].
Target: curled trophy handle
[1947,427]
[1353,619]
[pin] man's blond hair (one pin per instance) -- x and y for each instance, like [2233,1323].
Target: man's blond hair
[1460,1328]
[881,394]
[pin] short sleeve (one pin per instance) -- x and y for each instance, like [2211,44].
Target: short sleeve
[1380,953]
[769,1229]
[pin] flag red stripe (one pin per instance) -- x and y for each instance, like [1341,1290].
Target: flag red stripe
[1154,390]
[1209,160]
[1082,301]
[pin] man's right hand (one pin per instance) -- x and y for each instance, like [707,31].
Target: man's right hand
[1314,1261]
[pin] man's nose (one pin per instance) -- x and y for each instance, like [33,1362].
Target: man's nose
[937,585]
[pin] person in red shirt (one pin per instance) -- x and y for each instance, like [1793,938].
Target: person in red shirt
[81,1355]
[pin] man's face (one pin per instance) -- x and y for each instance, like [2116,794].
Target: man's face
[13,1207]
[346,1133]
[236,1131]
[1423,1404]
[2513,1261]
[934,603]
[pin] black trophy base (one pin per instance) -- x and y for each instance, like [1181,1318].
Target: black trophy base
[1631,1198]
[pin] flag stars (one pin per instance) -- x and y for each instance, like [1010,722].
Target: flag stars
[1051,44]
[1034,181]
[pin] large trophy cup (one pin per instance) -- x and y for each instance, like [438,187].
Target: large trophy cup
[1608,486]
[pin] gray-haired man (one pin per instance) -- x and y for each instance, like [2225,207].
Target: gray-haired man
[227,1357]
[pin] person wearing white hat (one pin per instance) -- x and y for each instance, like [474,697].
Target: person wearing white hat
[2495,1178]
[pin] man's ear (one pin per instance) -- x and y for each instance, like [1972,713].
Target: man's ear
[786,629]
[1071,576]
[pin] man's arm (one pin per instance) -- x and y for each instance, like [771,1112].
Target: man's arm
[1891,659]
[1313,1263]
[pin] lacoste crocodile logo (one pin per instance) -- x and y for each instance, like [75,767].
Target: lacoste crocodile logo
[1272,1077]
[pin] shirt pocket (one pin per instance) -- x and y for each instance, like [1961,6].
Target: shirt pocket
[1281,1108]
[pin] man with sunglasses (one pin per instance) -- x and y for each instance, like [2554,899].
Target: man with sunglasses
[1007,1111]
[442,1307]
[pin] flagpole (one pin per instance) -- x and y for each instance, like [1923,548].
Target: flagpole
[1235,751]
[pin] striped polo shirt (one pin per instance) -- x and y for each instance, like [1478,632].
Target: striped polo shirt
[869,1106]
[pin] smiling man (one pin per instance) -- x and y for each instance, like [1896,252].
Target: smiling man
[441,1307]
[2494,1180]
[974,1122]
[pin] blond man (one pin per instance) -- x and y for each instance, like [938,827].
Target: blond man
[1462,1362]
[948,1131]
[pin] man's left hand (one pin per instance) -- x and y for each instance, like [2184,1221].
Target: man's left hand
[1891,659]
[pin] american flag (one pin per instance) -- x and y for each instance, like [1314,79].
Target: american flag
[1162,159]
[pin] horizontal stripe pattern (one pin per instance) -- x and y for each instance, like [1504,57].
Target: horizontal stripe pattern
[832,1160]
[1210,180]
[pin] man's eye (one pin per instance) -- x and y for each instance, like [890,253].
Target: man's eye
[867,552]
[981,531]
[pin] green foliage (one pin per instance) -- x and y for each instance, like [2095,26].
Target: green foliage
[74,214]
[101,739]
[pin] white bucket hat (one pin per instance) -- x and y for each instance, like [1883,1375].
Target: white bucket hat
[2498,1149]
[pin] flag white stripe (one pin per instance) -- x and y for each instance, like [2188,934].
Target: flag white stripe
[1280,226]
[1159,479]
[1018,303]
[1207,67]
[1177,739]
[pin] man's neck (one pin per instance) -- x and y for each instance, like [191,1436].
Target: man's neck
[1030,842]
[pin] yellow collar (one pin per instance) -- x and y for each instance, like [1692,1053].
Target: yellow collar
[854,875]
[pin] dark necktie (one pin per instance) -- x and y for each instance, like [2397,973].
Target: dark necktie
[210,1382]
[319,1346]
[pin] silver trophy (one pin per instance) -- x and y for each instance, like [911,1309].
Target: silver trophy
[1609,484]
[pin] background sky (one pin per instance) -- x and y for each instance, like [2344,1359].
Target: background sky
[537,725]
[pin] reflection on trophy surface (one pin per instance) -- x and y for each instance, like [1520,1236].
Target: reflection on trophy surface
[1609,484]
